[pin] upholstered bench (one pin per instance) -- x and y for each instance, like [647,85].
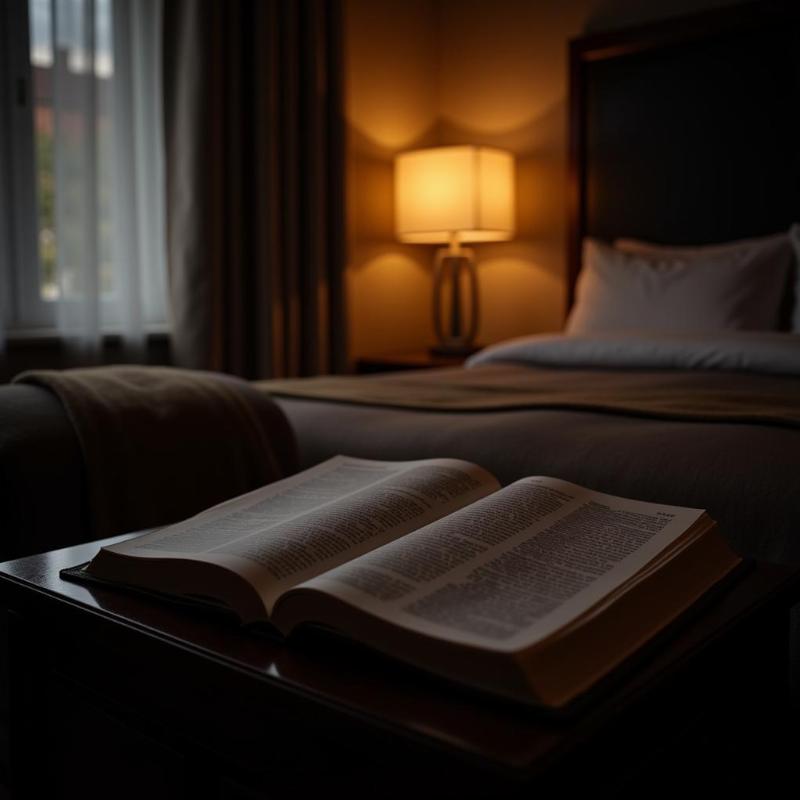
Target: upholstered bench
[190,440]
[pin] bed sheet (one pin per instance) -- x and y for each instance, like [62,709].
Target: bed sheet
[701,420]
[746,475]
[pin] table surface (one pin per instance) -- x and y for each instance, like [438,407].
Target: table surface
[378,693]
[421,359]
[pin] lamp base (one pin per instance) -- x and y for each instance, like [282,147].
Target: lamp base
[458,339]
[454,350]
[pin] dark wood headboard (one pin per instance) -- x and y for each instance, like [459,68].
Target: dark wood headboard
[688,131]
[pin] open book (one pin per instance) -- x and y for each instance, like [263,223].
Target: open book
[533,591]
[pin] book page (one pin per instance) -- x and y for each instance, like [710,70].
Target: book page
[288,531]
[512,568]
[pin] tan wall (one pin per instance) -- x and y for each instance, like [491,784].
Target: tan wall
[421,73]
[392,104]
[503,82]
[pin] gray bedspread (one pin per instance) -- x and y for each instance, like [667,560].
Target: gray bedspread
[745,473]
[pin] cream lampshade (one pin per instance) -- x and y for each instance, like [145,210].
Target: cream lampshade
[452,195]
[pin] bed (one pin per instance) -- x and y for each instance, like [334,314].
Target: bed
[684,133]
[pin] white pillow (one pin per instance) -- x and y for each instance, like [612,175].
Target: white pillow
[789,241]
[670,289]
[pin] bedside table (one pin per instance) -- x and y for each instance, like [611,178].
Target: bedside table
[121,680]
[397,362]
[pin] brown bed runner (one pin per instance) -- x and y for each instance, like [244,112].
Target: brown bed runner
[706,396]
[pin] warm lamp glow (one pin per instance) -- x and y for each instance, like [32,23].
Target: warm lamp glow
[454,194]
[451,195]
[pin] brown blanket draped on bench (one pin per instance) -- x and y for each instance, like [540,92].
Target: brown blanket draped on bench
[160,444]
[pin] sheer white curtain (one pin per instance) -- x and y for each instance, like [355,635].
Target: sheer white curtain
[108,170]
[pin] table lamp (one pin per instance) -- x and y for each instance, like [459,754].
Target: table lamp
[452,195]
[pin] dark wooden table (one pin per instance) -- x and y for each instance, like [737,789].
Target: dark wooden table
[399,362]
[118,695]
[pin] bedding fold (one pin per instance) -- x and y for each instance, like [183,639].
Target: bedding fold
[763,352]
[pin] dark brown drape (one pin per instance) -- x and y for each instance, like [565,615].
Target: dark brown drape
[255,185]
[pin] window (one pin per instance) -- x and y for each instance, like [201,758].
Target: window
[81,159]
[76,67]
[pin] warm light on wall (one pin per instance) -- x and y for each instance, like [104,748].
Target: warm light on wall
[451,195]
